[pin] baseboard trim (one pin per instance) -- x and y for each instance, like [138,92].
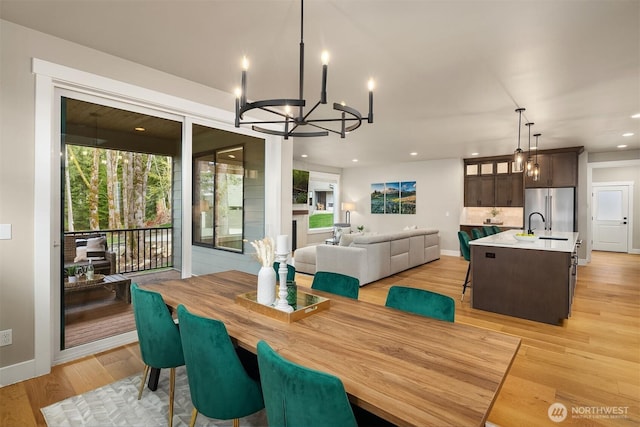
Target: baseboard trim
[450,253]
[18,372]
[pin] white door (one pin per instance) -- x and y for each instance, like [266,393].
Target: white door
[610,217]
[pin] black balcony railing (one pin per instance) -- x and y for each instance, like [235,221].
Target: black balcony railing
[137,249]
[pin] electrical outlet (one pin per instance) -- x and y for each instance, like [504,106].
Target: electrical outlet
[5,337]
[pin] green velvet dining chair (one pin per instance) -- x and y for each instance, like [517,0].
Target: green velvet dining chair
[422,302]
[220,386]
[291,271]
[476,233]
[465,249]
[496,229]
[159,338]
[487,230]
[298,396]
[336,283]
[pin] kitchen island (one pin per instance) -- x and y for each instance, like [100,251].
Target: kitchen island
[532,280]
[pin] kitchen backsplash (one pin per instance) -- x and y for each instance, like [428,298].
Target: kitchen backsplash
[511,217]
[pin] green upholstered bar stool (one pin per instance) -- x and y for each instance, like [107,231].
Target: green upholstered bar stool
[220,387]
[488,230]
[476,233]
[422,302]
[297,396]
[336,283]
[496,229]
[159,337]
[291,271]
[465,249]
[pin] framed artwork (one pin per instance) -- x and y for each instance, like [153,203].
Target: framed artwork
[408,197]
[393,197]
[377,198]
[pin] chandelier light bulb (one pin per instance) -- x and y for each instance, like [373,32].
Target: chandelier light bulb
[245,63]
[324,57]
[371,84]
[238,92]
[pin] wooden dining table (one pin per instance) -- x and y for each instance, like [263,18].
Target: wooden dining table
[405,368]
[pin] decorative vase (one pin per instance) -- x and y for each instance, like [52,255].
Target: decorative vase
[266,286]
[73,279]
[292,294]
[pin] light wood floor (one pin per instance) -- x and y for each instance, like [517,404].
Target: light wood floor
[590,363]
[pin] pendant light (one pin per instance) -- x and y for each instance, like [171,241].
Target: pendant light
[517,155]
[536,166]
[529,159]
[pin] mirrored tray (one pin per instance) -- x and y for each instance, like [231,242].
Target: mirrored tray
[307,305]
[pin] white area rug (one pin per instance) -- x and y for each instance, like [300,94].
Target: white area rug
[117,404]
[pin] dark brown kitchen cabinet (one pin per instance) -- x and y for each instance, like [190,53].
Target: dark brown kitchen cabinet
[509,190]
[479,191]
[557,169]
[490,182]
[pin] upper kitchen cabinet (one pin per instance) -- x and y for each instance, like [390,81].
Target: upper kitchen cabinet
[479,185]
[558,168]
[489,182]
[509,190]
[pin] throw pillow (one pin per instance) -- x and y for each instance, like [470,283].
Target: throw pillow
[81,254]
[96,247]
[81,250]
[347,239]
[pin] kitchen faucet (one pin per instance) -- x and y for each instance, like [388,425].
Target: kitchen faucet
[529,231]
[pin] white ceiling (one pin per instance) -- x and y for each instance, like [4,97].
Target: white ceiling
[449,74]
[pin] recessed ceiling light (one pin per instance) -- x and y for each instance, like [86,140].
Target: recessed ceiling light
[622,146]
[232,156]
[628,134]
[355,160]
[413,154]
[304,156]
[139,129]
[636,116]
[475,154]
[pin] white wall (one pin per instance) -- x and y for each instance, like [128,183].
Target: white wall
[440,195]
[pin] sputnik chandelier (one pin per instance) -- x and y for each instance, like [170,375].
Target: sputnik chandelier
[295,123]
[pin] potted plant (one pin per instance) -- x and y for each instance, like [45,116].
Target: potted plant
[71,273]
[360,228]
[494,212]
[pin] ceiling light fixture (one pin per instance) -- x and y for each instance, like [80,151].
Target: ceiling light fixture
[636,116]
[628,134]
[350,119]
[529,159]
[517,155]
[621,146]
[536,166]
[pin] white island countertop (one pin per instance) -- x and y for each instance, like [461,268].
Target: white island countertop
[507,239]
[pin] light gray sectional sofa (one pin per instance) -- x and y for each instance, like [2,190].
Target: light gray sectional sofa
[371,257]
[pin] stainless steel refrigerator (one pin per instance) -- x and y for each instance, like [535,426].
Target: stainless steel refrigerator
[557,205]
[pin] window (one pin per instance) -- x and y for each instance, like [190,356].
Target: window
[323,193]
[219,198]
